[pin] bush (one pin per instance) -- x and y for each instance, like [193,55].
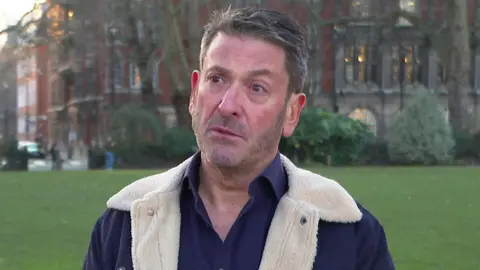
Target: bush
[467,146]
[320,134]
[178,143]
[132,124]
[376,153]
[420,134]
[96,158]
[173,146]
[16,159]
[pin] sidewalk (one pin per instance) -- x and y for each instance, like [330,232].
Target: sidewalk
[68,165]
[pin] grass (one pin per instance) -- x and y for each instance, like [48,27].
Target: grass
[431,215]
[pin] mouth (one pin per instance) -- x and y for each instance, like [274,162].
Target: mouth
[224,132]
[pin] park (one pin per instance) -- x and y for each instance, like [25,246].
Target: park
[430,215]
[93,96]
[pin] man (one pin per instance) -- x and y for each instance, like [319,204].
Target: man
[238,204]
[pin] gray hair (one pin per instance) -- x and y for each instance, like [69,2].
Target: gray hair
[271,26]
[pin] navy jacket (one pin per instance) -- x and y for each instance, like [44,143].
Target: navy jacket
[359,245]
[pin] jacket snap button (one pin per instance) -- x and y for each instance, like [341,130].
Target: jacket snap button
[150,212]
[121,268]
[303,220]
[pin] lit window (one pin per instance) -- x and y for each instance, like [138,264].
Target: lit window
[409,6]
[360,64]
[135,80]
[360,8]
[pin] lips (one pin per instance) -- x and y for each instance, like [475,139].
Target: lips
[224,131]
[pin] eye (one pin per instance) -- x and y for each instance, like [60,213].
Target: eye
[215,79]
[258,88]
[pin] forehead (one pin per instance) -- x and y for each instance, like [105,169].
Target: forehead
[245,53]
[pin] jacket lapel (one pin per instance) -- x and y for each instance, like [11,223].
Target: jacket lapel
[156,232]
[292,238]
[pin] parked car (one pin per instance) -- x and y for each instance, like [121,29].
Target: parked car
[34,150]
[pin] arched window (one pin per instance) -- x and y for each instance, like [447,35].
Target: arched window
[365,116]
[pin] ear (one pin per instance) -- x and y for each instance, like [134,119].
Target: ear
[295,106]
[194,81]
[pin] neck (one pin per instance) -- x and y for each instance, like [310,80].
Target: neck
[227,187]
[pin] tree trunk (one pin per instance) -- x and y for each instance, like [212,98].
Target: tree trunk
[180,102]
[148,98]
[458,65]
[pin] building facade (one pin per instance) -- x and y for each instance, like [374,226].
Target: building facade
[358,67]
[8,86]
[369,70]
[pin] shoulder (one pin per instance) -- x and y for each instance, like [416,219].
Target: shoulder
[362,243]
[370,230]
[167,181]
[372,245]
[112,222]
[110,241]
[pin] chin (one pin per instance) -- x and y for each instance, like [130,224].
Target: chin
[224,157]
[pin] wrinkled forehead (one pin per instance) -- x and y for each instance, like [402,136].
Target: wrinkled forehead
[245,53]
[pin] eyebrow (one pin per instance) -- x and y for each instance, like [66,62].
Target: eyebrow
[255,72]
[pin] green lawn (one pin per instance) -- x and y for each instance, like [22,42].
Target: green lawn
[431,215]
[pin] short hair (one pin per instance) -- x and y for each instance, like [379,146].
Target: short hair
[271,26]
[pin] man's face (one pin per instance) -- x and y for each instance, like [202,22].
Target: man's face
[239,102]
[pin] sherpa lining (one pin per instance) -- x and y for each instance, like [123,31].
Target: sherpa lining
[291,243]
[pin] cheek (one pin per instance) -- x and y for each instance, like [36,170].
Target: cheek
[262,122]
[204,106]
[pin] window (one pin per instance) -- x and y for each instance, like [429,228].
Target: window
[409,6]
[366,117]
[360,8]
[361,64]
[118,70]
[117,75]
[406,64]
[134,74]
[90,80]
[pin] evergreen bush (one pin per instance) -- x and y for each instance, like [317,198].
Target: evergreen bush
[420,133]
[321,134]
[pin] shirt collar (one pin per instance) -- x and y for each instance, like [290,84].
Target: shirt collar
[274,173]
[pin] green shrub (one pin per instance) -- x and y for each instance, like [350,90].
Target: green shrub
[131,128]
[178,143]
[96,158]
[16,159]
[420,133]
[173,146]
[376,153]
[320,134]
[467,146]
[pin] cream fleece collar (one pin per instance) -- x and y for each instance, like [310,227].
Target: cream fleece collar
[330,200]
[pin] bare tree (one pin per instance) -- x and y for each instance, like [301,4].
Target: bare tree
[458,64]
[174,29]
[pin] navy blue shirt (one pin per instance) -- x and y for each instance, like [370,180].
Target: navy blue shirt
[202,248]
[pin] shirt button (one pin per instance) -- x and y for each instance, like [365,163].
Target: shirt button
[150,212]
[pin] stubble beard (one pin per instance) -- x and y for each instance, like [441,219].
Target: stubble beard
[225,155]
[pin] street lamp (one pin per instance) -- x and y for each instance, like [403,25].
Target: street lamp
[401,75]
[336,35]
[112,34]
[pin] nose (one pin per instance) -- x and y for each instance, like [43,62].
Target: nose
[230,103]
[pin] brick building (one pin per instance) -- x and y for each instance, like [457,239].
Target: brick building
[356,68]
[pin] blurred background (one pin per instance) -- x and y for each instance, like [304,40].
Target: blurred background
[83,75]
[94,93]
